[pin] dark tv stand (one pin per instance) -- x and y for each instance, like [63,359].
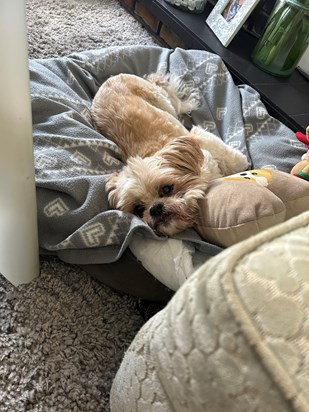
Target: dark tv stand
[287,99]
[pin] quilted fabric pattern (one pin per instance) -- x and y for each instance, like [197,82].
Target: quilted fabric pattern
[272,305]
[234,337]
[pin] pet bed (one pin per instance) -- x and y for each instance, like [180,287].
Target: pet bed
[72,159]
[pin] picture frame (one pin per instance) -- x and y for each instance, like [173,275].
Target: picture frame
[228,16]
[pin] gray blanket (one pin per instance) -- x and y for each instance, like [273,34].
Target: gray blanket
[72,160]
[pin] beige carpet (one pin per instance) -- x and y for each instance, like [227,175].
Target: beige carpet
[62,337]
[59,27]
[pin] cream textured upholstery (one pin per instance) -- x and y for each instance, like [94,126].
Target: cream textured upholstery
[233,338]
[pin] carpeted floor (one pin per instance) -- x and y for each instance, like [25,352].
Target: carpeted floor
[62,337]
[59,27]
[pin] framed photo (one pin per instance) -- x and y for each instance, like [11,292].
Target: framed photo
[228,16]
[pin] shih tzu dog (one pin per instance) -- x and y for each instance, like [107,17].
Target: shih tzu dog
[167,168]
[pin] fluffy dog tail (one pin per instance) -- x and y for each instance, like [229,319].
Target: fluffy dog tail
[184,96]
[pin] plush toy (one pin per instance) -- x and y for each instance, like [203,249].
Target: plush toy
[241,205]
[238,206]
[301,169]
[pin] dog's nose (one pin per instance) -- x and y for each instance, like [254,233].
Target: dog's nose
[156,209]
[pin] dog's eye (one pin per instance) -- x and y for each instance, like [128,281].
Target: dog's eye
[166,190]
[139,210]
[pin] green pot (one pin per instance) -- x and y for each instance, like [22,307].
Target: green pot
[285,38]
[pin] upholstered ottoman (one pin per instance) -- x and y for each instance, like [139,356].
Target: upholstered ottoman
[233,338]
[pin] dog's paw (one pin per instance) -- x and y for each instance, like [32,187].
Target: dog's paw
[194,99]
[239,163]
[190,97]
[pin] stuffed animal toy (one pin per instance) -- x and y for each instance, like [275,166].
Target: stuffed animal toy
[239,206]
[301,169]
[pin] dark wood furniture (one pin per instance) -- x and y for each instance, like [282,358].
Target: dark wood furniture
[287,99]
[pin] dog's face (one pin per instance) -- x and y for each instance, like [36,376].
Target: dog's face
[163,189]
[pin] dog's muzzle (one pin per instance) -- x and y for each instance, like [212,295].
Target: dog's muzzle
[157,209]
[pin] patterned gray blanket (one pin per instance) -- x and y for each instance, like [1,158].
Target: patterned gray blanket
[72,160]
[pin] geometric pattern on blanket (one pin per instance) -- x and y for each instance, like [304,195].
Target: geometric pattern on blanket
[73,160]
[233,338]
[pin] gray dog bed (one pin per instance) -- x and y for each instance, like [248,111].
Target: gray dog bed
[72,160]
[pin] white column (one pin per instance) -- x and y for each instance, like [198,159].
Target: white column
[19,259]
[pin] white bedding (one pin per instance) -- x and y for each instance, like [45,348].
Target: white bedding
[171,261]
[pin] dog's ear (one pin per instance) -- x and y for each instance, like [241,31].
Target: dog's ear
[111,187]
[184,153]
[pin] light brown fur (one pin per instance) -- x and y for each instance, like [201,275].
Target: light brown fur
[167,168]
[128,112]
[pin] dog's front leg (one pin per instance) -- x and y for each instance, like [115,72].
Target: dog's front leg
[230,160]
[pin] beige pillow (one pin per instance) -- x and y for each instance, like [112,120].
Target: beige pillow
[241,205]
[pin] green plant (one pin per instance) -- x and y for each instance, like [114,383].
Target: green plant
[285,39]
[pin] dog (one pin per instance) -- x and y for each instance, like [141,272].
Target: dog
[167,167]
